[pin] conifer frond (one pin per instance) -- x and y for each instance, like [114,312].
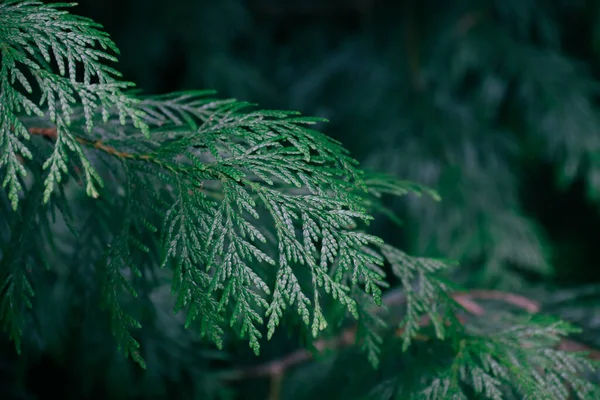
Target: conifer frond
[116,270]
[184,249]
[427,294]
[16,297]
[380,185]
[519,359]
[53,59]
[371,328]
[254,165]
[112,280]
[17,262]
[189,107]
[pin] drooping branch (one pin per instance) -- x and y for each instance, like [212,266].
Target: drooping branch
[276,369]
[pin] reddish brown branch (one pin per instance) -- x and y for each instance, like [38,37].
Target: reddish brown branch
[272,368]
[52,133]
[506,297]
[275,388]
[46,132]
[277,368]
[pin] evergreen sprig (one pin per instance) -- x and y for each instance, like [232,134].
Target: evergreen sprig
[245,213]
[37,40]
[223,164]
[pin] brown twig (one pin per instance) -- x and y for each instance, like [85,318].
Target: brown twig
[275,388]
[52,133]
[271,368]
[519,301]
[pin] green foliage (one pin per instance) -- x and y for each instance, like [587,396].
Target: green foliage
[426,293]
[222,164]
[517,360]
[251,218]
[35,39]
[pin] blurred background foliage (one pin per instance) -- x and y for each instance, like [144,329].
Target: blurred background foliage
[493,103]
